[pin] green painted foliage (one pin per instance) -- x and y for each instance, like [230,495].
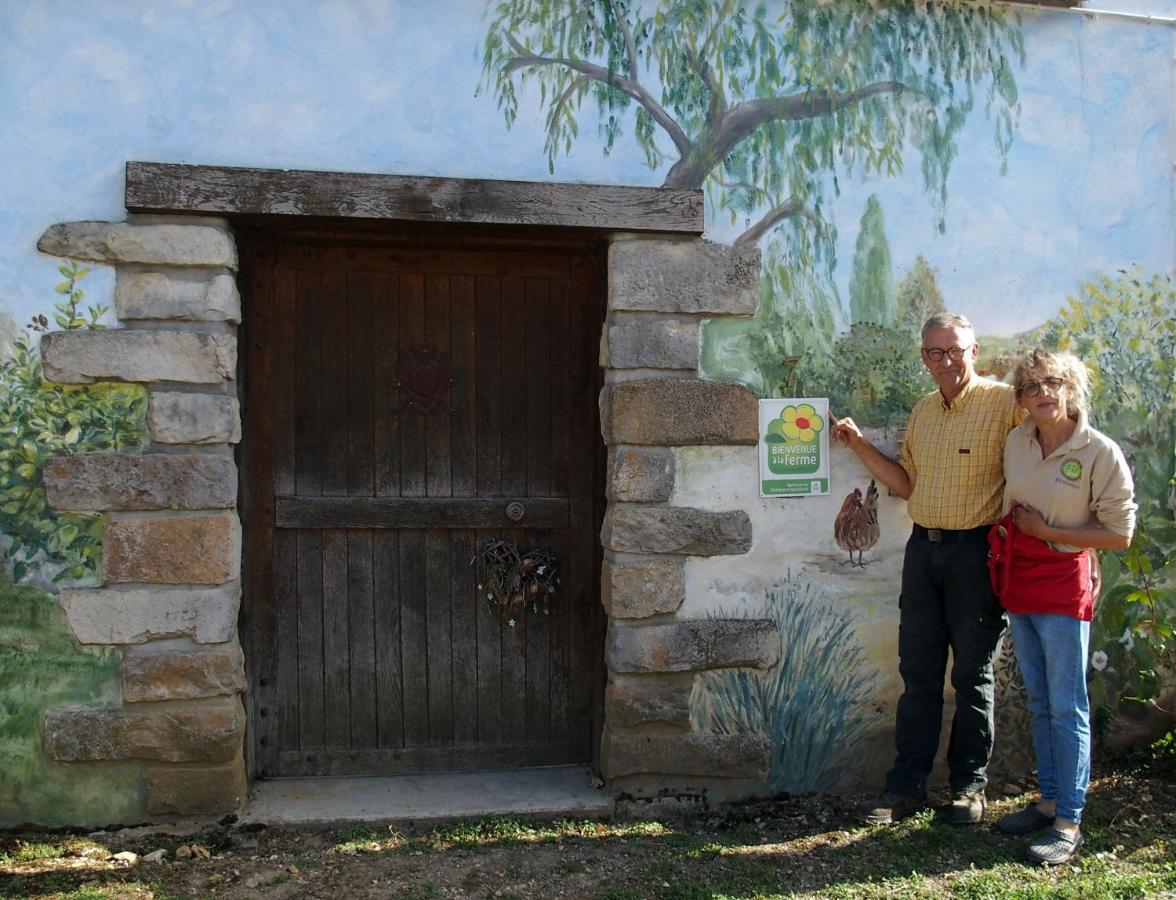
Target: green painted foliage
[40,420]
[764,105]
[881,377]
[918,297]
[786,349]
[41,666]
[811,705]
[871,283]
[1123,328]
[767,107]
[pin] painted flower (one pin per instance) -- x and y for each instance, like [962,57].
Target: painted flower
[800,423]
[1127,640]
[1098,660]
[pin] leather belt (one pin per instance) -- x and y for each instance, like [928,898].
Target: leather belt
[950,535]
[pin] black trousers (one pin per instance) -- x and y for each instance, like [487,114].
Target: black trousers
[946,603]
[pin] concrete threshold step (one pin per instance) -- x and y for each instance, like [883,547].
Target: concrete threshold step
[548,791]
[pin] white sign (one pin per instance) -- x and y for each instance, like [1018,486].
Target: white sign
[794,447]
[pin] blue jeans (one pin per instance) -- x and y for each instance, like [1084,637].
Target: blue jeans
[946,605]
[1051,653]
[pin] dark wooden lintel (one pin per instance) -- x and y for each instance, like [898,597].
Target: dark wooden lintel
[169,188]
[422,512]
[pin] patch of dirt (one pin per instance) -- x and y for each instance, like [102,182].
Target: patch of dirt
[785,845]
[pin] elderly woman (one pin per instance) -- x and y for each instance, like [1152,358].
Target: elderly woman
[1068,486]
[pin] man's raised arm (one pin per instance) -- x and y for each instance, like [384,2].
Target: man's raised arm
[886,470]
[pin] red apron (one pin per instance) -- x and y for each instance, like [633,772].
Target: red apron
[1029,576]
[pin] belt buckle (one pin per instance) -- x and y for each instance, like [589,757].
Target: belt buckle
[935,535]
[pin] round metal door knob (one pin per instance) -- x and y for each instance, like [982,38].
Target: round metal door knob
[515,511]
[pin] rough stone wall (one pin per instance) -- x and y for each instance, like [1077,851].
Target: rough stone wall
[172,542]
[171,568]
[659,290]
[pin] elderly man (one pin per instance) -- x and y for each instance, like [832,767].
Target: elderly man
[951,472]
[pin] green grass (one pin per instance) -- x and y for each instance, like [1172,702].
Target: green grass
[30,852]
[366,839]
[514,830]
[783,849]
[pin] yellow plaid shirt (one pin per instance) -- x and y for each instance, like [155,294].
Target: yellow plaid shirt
[954,455]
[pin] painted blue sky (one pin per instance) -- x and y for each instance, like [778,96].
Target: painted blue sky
[391,86]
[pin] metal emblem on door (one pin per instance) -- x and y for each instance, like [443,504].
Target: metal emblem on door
[423,374]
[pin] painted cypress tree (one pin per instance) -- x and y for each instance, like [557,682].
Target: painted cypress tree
[919,296]
[871,285]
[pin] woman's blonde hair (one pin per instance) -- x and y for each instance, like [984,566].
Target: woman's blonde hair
[1040,363]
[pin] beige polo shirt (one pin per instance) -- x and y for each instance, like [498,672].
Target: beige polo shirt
[1083,481]
[953,455]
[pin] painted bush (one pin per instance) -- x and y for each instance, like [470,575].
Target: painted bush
[39,420]
[814,704]
[41,665]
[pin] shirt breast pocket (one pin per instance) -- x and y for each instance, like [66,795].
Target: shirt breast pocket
[980,460]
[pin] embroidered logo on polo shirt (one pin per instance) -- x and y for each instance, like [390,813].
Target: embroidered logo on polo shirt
[1072,469]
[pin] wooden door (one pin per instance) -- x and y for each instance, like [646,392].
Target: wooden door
[400,393]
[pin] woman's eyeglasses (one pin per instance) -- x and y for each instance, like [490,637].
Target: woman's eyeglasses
[1033,388]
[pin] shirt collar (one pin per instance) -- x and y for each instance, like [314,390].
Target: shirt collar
[962,397]
[1080,438]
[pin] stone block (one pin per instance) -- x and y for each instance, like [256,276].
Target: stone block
[172,549]
[192,295]
[174,417]
[208,731]
[149,243]
[649,700]
[83,357]
[195,791]
[680,412]
[150,675]
[634,590]
[692,645]
[137,615]
[744,756]
[638,475]
[652,345]
[682,276]
[675,529]
[140,481]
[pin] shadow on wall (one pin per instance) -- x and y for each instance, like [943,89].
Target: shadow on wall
[815,705]
[42,666]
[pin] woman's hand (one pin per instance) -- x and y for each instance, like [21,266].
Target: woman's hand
[1030,520]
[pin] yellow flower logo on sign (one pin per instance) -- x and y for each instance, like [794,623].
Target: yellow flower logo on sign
[799,423]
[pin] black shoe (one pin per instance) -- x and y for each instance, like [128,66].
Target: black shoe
[890,808]
[1024,821]
[967,808]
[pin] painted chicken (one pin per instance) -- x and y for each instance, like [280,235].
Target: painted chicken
[856,525]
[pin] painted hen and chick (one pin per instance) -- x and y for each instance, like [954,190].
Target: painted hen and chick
[856,525]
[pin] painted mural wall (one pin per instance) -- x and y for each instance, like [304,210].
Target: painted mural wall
[889,158]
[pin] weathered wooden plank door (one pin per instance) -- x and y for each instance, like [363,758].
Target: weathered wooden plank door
[400,393]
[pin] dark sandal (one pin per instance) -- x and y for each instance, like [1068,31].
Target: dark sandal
[1054,847]
[1024,821]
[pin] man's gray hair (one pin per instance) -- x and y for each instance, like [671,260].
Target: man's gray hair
[947,320]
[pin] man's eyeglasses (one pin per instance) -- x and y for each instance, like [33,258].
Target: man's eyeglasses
[1033,388]
[956,353]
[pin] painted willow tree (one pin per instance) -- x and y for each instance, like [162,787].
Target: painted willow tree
[767,107]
